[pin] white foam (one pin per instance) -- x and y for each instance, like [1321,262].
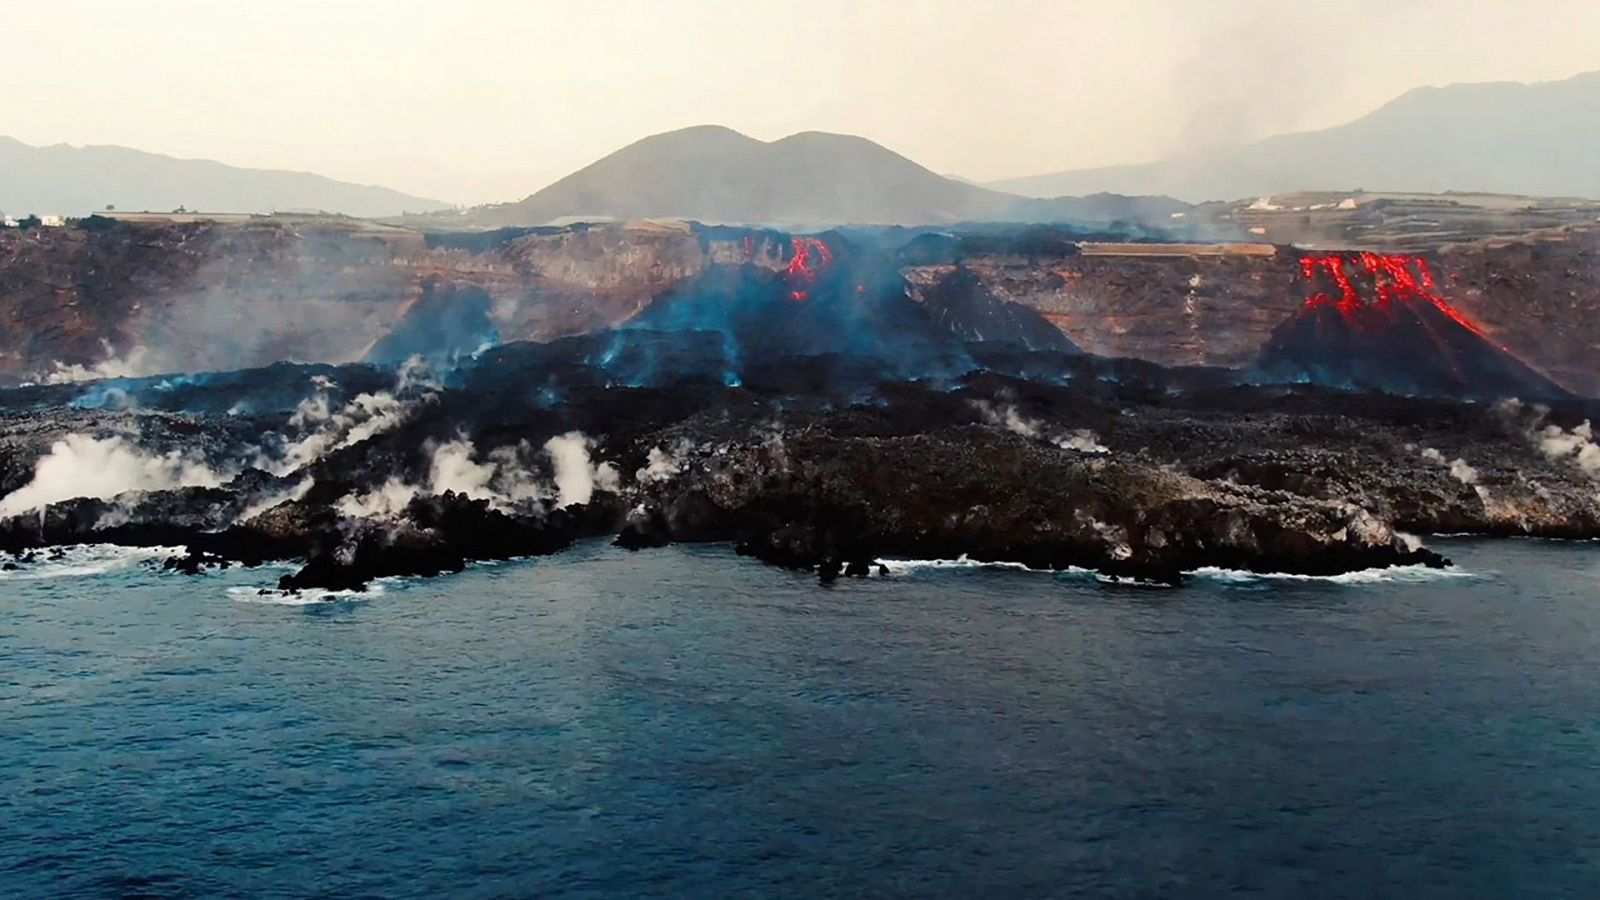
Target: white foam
[303,597]
[82,561]
[1390,575]
[906,566]
[1393,574]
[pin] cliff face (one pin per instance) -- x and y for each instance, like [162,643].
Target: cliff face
[1179,309]
[169,296]
[142,299]
[1538,297]
[194,295]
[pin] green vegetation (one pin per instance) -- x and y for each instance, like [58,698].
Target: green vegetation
[94,222]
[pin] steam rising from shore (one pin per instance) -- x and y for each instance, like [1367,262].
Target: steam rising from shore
[79,465]
[1460,470]
[261,505]
[504,477]
[363,417]
[662,464]
[1081,440]
[576,476]
[1577,446]
[138,362]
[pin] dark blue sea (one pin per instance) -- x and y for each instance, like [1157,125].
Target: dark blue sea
[687,723]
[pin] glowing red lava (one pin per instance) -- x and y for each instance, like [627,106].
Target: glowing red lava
[1397,279]
[802,269]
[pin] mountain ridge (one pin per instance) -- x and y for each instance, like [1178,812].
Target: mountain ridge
[75,180]
[713,173]
[1503,137]
[809,179]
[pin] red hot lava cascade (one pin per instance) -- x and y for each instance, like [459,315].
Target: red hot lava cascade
[810,255]
[1378,322]
[1397,279]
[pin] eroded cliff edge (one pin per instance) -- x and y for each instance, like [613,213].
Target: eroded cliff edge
[140,298]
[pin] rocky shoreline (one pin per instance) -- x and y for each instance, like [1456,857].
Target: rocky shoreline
[1123,468]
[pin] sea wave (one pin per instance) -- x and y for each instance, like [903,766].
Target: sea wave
[906,566]
[304,597]
[1392,574]
[83,560]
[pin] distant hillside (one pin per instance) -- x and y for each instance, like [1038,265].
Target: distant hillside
[1512,138]
[78,180]
[714,174]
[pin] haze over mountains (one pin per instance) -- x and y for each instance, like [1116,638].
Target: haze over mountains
[66,180]
[1533,139]
[1506,137]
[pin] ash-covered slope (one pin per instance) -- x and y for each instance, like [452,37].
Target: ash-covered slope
[1378,322]
[715,174]
[961,302]
[66,180]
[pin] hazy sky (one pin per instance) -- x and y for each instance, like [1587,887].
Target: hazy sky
[478,100]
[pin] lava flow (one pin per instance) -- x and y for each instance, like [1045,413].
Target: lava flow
[802,269]
[1397,278]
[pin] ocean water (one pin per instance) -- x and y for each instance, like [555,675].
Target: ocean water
[687,723]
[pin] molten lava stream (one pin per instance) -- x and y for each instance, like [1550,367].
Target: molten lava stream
[1397,278]
[802,271]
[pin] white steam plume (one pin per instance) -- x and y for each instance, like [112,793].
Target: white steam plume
[79,465]
[385,502]
[365,416]
[138,362]
[514,480]
[1081,440]
[267,502]
[1009,418]
[1460,470]
[1577,446]
[576,476]
[452,469]
[503,479]
[662,464]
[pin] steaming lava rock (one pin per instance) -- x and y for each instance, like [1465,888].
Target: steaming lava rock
[1117,466]
[821,402]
